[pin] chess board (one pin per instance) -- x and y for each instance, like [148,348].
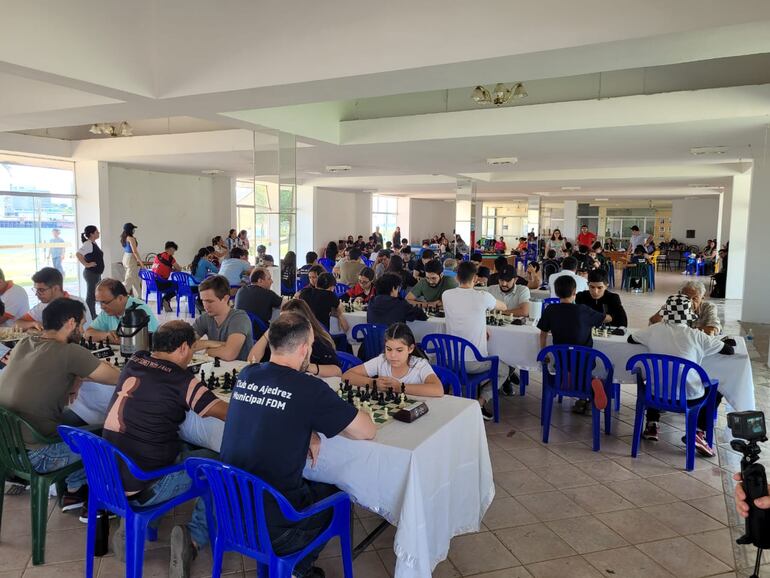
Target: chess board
[8,335]
[496,319]
[383,414]
[224,374]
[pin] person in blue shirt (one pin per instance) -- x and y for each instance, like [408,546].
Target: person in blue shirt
[113,298]
[201,265]
[236,267]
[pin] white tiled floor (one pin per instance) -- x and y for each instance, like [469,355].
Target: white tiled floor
[561,510]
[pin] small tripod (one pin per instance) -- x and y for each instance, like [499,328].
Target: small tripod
[755,486]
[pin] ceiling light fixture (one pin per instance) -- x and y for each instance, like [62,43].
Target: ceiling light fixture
[500,94]
[338,168]
[601,199]
[212,172]
[123,129]
[502,161]
[571,188]
[712,150]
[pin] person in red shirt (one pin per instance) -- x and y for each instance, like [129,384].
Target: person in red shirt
[163,264]
[500,246]
[364,289]
[586,237]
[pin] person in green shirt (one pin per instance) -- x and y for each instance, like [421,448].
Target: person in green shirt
[113,298]
[429,289]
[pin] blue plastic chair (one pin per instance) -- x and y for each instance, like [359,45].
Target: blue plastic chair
[546,302]
[340,289]
[327,264]
[450,352]
[151,286]
[340,340]
[367,262]
[184,288]
[611,273]
[573,372]
[449,380]
[258,326]
[236,499]
[106,492]
[371,337]
[661,383]
[347,360]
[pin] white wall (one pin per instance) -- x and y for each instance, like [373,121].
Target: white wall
[701,214]
[186,209]
[337,214]
[428,218]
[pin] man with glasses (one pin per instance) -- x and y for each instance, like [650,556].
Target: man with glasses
[259,298]
[428,291]
[47,285]
[112,297]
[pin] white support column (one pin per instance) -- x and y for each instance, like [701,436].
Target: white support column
[755,307]
[93,208]
[569,231]
[739,221]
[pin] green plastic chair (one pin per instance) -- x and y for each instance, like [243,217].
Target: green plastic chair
[14,461]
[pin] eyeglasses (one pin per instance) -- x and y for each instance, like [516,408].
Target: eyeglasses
[103,303]
[39,290]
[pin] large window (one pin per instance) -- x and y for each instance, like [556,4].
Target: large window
[38,227]
[384,215]
[253,209]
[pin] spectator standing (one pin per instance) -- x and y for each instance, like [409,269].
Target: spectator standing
[56,250]
[586,237]
[92,259]
[232,240]
[132,261]
[397,237]
[556,243]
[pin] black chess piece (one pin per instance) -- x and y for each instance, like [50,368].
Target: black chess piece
[115,361]
[217,363]
[101,344]
[235,374]
[91,343]
[382,398]
[210,383]
[83,342]
[350,396]
[374,388]
[358,392]
[403,388]
[203,376]
[390,394]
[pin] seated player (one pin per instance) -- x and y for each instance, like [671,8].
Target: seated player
[387,307]
[450,267]
[482,277]
[516,297]
[466,313]
[550,266]
[42,372]
[14,299]
[163,265]
[426,256]
[499,264]
[310,406]
[154,393]
[311,258]
[599,299]
[114,300]
[48,286]
[236,267]
[258,297]
[569,324]
[706,317]
[674,336]
[569,268]
[312,278]
[402,362]
[323,357]
[429,289]
[533,276]
[228,331]
[350,268]
[364,290]
[323,302]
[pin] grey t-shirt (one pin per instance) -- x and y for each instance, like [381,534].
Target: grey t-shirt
[236,322]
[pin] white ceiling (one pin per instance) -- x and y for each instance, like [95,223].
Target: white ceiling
[619,90]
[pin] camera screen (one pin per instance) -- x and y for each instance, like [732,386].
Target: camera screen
[756,424]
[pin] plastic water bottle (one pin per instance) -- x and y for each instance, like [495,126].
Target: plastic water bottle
[749,335]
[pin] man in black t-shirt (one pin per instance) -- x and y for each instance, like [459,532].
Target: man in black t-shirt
[323,302]
[599,299]
[151,401]
[277,401]
[259,298]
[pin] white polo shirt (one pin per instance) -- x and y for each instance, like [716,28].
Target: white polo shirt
[582,284]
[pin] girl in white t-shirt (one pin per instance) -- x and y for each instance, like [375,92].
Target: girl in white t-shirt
[402,362]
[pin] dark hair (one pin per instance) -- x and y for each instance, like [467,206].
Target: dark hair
[317,269]
[500,263]
[331,250]
[218,284]
[237,253]
[171,335]
[396,264]
[551,254]
[230,232]
[465,271]
[553,234]
[569,264]
[535,264]
[127,232]
[598,276]
[427,254]
[639,250]
[507,274]
[367,272]
[268,258]
[258,274]
[325,281]
[355,254]
[483,272]
[202,252]
[564,286]
[87,232]
[596,245]
[583,249]
[171,245]
[401,332]
[406,249]
[434,267]
[115,287]
[385,284]
[61,310]
[49,276]
[311,257]
[288,331]
[476,257]
[290,259]
[215,240]
[404,240]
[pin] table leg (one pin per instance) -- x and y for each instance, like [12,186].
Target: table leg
[371,537]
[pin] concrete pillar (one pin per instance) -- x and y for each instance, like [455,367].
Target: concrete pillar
[465,211]
[569,231]
[93,208]
[533,214]
[739,221]
[755,306]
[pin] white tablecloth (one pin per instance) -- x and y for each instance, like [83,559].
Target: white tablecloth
[518,346]
[432,479]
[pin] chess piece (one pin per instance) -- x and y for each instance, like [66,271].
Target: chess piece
[217,363]
[374,388]
[115,361]
[210,383]
[91,343]
[203,376]
[382,398]
[101,344]
[350,396]
[235,375]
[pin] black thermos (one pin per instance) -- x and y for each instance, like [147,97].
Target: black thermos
[102,533]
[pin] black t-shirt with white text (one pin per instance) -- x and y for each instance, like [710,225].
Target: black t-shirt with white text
[273,411]
[570,324]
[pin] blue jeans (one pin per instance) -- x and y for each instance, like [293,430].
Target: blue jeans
[285,540]
[55,457]
[57,264]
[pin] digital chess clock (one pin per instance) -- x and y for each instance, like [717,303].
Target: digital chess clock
[411,412]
